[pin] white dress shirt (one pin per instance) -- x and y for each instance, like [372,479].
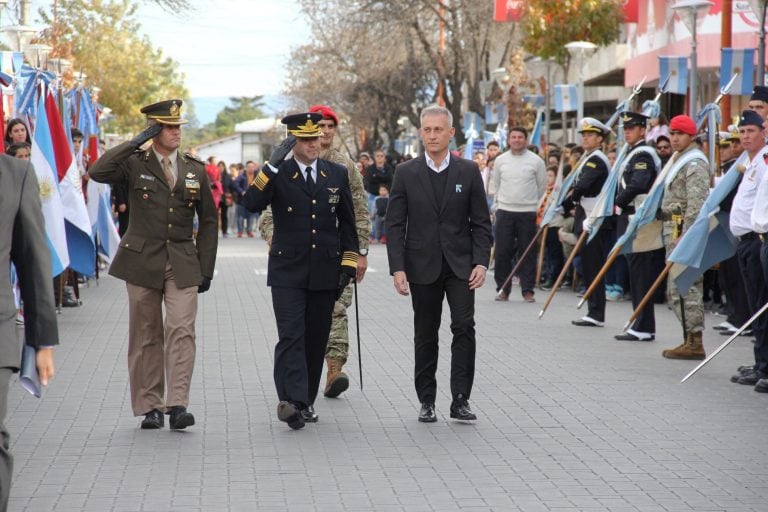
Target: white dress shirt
[745,200]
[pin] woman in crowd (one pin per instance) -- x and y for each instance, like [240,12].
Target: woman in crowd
[16,132]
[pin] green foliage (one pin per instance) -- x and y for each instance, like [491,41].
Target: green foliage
[549,25]
[242,108]
[102,38]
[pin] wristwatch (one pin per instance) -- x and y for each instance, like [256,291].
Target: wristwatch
[363,252]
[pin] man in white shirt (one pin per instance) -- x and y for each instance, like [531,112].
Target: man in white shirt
[520,181]
[752,138]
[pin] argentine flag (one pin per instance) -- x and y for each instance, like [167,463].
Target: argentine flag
[53,209]
[676,68]
[566,98]
[738,61]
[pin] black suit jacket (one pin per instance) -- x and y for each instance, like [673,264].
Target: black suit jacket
[314,236]
[422,229]
[23,242]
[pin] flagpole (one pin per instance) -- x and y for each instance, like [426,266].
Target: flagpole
[574,252]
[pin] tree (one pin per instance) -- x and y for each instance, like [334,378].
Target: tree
[102,39]
[548,25]
[243,108]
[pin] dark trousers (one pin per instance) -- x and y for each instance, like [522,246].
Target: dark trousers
[303,324]
[736,304]
[553,255]
[223,208]
[427,302]
[6,459]
[514,232]
[748,253]
[592,260]
[644,268]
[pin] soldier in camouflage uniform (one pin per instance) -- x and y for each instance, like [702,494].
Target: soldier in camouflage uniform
[337,381]
[684,196]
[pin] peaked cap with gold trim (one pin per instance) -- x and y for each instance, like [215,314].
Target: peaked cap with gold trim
[590,124]
[165,112]
[634,119]
[303,125]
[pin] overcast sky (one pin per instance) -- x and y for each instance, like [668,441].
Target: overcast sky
[226,47]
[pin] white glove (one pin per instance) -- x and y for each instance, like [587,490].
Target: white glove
[586,226]
[617,210]
[560,210]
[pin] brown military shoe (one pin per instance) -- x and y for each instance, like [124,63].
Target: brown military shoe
[336,382]
[691,349]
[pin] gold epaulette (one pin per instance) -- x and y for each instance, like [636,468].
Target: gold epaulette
[193,157]
[260,181]
[349,259]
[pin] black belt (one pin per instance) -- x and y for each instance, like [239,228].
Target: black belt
[749,236]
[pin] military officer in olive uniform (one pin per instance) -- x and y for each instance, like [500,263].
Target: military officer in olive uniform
[685,190]
[637,176]
[161,261]
[312,258]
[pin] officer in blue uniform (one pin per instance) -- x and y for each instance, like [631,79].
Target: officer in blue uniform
[640,170]
[312,258]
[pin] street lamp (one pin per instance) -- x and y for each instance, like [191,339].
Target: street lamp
[758,7]
[691,13]
[580,50]
[547,100]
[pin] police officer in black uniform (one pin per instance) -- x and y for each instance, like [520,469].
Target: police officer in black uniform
[640,170]
[312,258]
[583,197]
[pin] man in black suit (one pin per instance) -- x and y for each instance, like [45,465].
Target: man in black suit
[312,258]
[23,243]
[439,243]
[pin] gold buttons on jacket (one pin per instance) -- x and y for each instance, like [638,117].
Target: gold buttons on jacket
[313,215]
[314,231]
[314,201]
[170,226]
[170,210]
[145,196]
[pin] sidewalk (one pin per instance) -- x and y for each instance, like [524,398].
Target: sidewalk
[569,419]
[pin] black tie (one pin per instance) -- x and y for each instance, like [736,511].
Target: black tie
[310,181]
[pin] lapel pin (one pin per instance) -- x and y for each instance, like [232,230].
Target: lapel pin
[458,187]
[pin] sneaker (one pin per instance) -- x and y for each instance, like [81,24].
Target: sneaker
[725,326]
[547,285]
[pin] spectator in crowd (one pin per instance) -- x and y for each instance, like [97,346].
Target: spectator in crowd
[16,132]
[657,126]
[226,197]
[380,173]
[380,213]
[245,220]
[553,249]
[22,150]
[663,149]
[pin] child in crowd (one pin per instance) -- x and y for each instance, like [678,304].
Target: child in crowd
[380,213]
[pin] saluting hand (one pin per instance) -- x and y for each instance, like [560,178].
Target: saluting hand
[401,283]
[477,277]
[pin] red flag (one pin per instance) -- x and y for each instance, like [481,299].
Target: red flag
[508,10]
[631,11]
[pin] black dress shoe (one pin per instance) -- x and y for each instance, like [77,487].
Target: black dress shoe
[586,321]
[309,415]
[152,420]
[762,386]
[180,418]
[290,413]
[751,378]
[460,409]
[427,413]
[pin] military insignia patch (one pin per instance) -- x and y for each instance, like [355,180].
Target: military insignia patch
[147,177]
[641,166]
[192,184]
[591,164]
[190,175]
[333,190]
[333,199]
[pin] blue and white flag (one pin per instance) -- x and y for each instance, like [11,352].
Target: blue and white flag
[491,113]
[473,125]
[536,100]
[709,240]
[535,137]
[677,70]
[566,98]
[737,61]
[100,214]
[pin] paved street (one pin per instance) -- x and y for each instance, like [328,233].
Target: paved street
[569,419]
